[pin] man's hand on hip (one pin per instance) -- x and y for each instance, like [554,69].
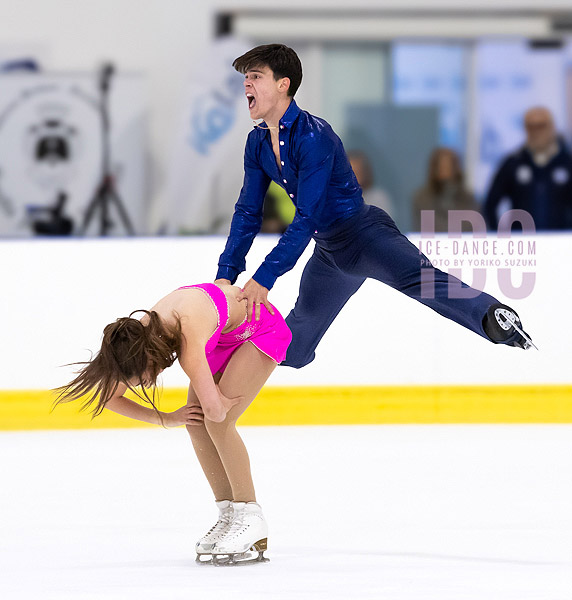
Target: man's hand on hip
[255,295]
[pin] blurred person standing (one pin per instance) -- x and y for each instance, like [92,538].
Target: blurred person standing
[372,195]
[443,191]
[537,178]
[278,211]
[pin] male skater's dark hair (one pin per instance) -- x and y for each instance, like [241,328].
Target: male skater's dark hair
[280,59]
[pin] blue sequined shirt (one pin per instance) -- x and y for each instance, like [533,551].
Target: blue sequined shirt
[316,174]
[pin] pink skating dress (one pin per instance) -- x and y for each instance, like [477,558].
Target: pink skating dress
[270,334]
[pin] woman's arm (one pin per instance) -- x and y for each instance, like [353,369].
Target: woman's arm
[187,415]
[193,360]
[197,327]
[123,406]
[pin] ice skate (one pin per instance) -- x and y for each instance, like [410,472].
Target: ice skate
[205,545]
[503,326]
[245,540]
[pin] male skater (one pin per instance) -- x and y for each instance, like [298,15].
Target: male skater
[354,241]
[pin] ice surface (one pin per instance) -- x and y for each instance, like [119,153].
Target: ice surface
[380,512]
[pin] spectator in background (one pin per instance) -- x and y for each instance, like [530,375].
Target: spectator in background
[364,174]
[278,211]
[537,178]
[444,190]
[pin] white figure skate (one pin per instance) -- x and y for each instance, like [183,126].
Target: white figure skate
[245,540]
[205,545]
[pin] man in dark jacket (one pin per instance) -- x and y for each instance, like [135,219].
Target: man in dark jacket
[537,178]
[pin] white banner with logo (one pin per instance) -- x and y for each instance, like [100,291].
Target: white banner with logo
[51,147]
[207,166]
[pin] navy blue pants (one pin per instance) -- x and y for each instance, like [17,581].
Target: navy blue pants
[369,244]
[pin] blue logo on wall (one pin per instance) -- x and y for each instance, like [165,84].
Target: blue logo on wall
[491,150]
[213,114]
[520,81]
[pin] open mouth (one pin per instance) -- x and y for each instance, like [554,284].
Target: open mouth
[251,101]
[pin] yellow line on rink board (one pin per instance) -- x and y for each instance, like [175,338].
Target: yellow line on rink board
[339,405]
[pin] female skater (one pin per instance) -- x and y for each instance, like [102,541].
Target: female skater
[205,327]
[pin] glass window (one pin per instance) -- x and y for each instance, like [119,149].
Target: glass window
[512,77]
[434,74]
[352,74]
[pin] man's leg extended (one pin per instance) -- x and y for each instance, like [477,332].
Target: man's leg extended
[382,252]
[324,290]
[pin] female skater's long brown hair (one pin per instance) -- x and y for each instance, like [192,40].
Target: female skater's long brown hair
[129,351]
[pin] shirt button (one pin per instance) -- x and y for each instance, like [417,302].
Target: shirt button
[281,143]
[291,195]
[284,181]
[282,162]
[281,126]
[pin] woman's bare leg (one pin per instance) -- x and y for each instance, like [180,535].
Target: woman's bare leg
[244,376]
[208,455]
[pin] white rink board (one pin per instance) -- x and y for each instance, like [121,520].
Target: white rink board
[57,295]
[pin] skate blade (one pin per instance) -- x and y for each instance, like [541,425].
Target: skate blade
[524,335]
[252,556]
[238,560]
[208,557]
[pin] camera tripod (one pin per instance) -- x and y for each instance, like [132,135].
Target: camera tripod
[106,192]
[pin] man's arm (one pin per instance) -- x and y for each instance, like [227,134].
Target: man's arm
[247,218]
[316,164]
